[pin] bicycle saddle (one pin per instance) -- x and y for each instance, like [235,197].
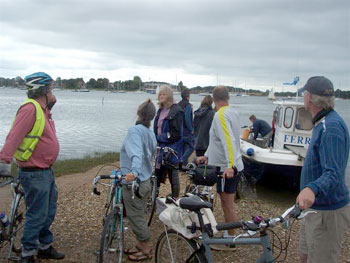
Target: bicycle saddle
[194,203]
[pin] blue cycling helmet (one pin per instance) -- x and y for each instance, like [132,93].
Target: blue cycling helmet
[37,80]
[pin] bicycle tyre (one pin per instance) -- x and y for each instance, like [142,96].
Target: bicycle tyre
[109,203]
[182,249]
[151,202]
[16,228]
[112,239]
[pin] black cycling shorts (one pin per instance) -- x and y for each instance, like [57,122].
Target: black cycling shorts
[230,185]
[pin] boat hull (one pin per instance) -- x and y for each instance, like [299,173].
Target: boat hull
[272,175]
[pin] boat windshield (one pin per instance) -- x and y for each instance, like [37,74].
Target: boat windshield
[304,120]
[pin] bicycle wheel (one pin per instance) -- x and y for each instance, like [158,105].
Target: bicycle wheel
[151,202]
[109,205]
[112,238]
[177,250]
[16,228]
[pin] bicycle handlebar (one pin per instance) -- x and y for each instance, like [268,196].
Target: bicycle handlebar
[134,184]
[259,224]
[228,226]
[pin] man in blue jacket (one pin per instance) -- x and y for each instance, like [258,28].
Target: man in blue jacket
[322,182]
[261,127]
[188,138]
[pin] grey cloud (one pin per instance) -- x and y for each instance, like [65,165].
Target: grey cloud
[262,40]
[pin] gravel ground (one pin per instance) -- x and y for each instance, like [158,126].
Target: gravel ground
[78,222]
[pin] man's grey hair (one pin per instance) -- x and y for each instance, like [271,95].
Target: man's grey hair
[323,102]
[220,93]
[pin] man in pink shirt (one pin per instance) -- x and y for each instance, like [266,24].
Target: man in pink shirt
[32,141]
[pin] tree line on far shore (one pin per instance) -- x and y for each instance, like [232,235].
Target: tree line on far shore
[136,84]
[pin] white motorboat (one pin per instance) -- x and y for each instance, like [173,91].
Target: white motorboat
[281,163]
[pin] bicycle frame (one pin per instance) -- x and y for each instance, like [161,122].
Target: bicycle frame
[263,240]
[117,203]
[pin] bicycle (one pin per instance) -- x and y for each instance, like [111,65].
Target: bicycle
[112,237]
[14,231]
[151,202]
[175,248]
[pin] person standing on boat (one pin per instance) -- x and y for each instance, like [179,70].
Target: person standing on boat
[203,117]
[261,127]
[224,151]
[136,162]
[33,142]
[273,124]
[322,184]
[187,140]
[168,128]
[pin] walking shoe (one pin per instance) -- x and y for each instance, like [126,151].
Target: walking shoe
[29,259]
[50,253]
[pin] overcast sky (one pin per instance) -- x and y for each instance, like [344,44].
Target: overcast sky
[248,43]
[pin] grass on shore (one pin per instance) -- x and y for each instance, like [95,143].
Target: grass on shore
[70,166]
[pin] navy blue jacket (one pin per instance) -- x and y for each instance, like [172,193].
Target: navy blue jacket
[325,163]
[262,127]
[171,132]
[188,120]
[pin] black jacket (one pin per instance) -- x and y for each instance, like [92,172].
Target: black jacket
[203,118]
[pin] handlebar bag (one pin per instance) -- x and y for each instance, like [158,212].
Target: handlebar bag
[205,175]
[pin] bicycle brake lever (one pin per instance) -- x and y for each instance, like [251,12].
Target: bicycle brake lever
[305,213]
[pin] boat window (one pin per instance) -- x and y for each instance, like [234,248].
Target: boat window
[288,117]
[279,117]
[304,120]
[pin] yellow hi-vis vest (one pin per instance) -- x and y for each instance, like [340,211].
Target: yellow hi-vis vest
[25,150]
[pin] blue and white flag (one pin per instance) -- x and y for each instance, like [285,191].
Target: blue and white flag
[295,81]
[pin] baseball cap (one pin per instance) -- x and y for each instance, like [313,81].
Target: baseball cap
[319,85]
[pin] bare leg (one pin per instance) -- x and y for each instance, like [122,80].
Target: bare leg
[228,205]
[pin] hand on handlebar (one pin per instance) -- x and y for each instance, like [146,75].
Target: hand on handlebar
[202,159]
[130,177]
[306,198]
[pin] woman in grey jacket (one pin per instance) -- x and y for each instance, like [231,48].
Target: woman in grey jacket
[203,118]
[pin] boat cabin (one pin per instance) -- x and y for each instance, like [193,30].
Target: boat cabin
[293,125]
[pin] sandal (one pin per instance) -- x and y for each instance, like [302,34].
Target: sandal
[131,251]
[140,256]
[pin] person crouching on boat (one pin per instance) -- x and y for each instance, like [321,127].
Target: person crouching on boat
[322,182]
[260,127]
[136,162]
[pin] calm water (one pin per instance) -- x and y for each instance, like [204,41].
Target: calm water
[97,121]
